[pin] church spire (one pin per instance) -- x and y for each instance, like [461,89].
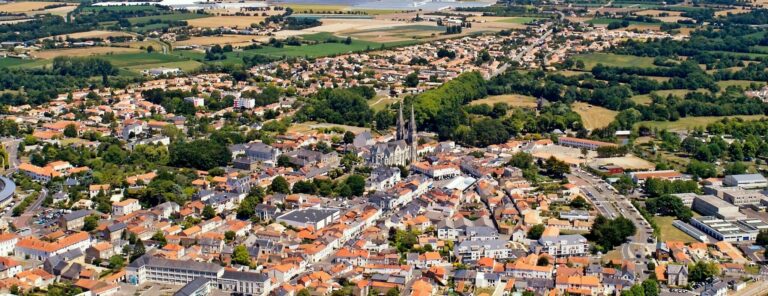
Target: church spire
[400,124]
[412,140]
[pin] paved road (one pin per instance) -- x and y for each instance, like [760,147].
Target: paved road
[23,220]
[612,205]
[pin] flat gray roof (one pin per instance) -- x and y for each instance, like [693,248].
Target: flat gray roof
[308,215]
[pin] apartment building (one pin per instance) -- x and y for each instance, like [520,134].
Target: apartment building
[470,250]
[562,245]
[583,143]
[41,250]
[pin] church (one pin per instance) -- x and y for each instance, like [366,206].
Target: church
[400,151]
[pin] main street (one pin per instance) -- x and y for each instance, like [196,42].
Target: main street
[612,205]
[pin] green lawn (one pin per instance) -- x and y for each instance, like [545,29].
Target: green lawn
[608,59]
[669,232]
[688,123]
[519,20]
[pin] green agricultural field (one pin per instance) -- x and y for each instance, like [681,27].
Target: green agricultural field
[150,27]
[751,55]
[123,8]
[12,62]
[145,60]
[320,49]
[688,123]
[606,21]
[185,66]
[519,20]
[743,83]
[646,99]
[592,59]
[166,17]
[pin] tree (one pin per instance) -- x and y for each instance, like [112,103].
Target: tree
[138,250]
[90,223]
[543,261]
[608,233]
[280,185]
[579,203]
[702,271]
[116,262]
[762,238]
[536,231]
[160,238]
[411,80]
[208,212]
[229,235]
[669,205]
[521,160]
[200,154]
[284,161]
[247,209]
[356,183]
[735,168]
[241,256]
[70,131]
[651,287]
[701,169]
[556,168]
[349,137]
[393,292]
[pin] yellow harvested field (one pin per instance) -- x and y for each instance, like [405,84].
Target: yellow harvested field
[227,21]
[593,116]
[353,25]
[234,40]
[60,11]
[24,6]
[81,52]
[316,8]
[731,11]
[95,34]
[629,162]
[511,100]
